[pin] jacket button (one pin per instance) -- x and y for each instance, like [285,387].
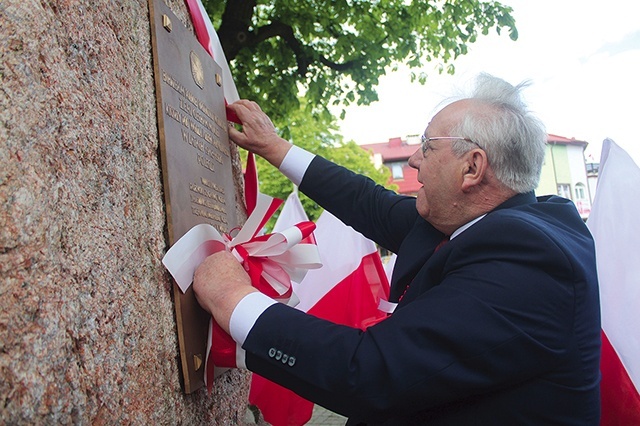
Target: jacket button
[285,357]
[292,361]
[278,355]
[272,352]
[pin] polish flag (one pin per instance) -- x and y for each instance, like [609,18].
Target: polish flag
[346,290]
[292,212]
[614,224]
[279,405]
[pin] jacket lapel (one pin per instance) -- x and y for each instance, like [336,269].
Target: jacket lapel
[414,252]
[420,244]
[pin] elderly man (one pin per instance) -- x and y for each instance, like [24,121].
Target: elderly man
[499,325]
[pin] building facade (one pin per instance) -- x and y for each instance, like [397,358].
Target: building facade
[395,155]
[564,171]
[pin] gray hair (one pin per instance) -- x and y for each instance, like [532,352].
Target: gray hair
[513,138]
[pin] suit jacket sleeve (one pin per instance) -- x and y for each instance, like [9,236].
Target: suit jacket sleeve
[489,310]
[379,214]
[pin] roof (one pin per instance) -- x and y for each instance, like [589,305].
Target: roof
[555,139]
[395,149]
[399,150]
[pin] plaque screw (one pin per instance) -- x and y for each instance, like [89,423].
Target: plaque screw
[197,362]
[218,79]
[166,23]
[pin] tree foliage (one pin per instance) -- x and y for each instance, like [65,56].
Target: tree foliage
[336,50]
[318,133]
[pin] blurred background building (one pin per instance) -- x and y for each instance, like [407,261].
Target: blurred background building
[565,172]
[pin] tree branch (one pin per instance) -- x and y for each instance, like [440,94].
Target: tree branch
[234,29]
[339,67]
[234,35]
[284,31]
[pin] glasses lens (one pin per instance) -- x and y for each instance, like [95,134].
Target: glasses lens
[424,141]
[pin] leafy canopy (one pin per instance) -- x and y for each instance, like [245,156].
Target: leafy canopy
[335,51]
[318,133]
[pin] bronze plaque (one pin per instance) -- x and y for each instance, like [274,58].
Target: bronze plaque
[196,161]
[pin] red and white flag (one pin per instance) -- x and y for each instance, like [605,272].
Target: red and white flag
[346,290]
[614,224]
[279,405]
[292,212]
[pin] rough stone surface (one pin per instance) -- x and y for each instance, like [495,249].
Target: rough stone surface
[87,325]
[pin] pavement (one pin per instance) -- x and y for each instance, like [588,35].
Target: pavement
[320,417]
[324,417]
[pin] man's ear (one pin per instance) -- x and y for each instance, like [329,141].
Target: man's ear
[476,167]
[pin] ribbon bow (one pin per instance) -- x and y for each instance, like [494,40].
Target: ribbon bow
[271,261]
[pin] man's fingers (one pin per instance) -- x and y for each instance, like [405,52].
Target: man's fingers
[258,133]
[243,108]
[237,136]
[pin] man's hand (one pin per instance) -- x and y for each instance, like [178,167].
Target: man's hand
[219,284]
[258,133]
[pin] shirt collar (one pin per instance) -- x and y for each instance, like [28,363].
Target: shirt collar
[518,199]
[465,227]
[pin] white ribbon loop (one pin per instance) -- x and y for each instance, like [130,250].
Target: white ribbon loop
[280,251]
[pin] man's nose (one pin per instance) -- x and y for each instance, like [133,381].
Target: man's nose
[415,159]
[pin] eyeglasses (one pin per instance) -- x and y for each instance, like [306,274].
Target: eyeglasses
[425,141]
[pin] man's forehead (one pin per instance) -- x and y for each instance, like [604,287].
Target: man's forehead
[449,114]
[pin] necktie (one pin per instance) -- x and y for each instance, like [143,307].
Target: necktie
[444,240]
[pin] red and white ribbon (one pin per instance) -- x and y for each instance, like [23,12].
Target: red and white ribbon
[271,261]
[208,38]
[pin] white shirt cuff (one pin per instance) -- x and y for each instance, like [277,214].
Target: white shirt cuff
[295,164]
[246,313]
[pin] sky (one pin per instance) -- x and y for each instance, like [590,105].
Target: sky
[581,57]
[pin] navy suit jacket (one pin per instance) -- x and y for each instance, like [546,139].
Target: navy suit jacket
[500,326]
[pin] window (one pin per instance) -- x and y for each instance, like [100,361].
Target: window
[396,170]
[564,190]
[580,192]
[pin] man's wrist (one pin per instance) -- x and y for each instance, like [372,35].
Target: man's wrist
[246,313]
[222,309]
[295,164]
[275,151]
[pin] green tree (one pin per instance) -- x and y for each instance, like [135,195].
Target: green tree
[336,50]
[318,133]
